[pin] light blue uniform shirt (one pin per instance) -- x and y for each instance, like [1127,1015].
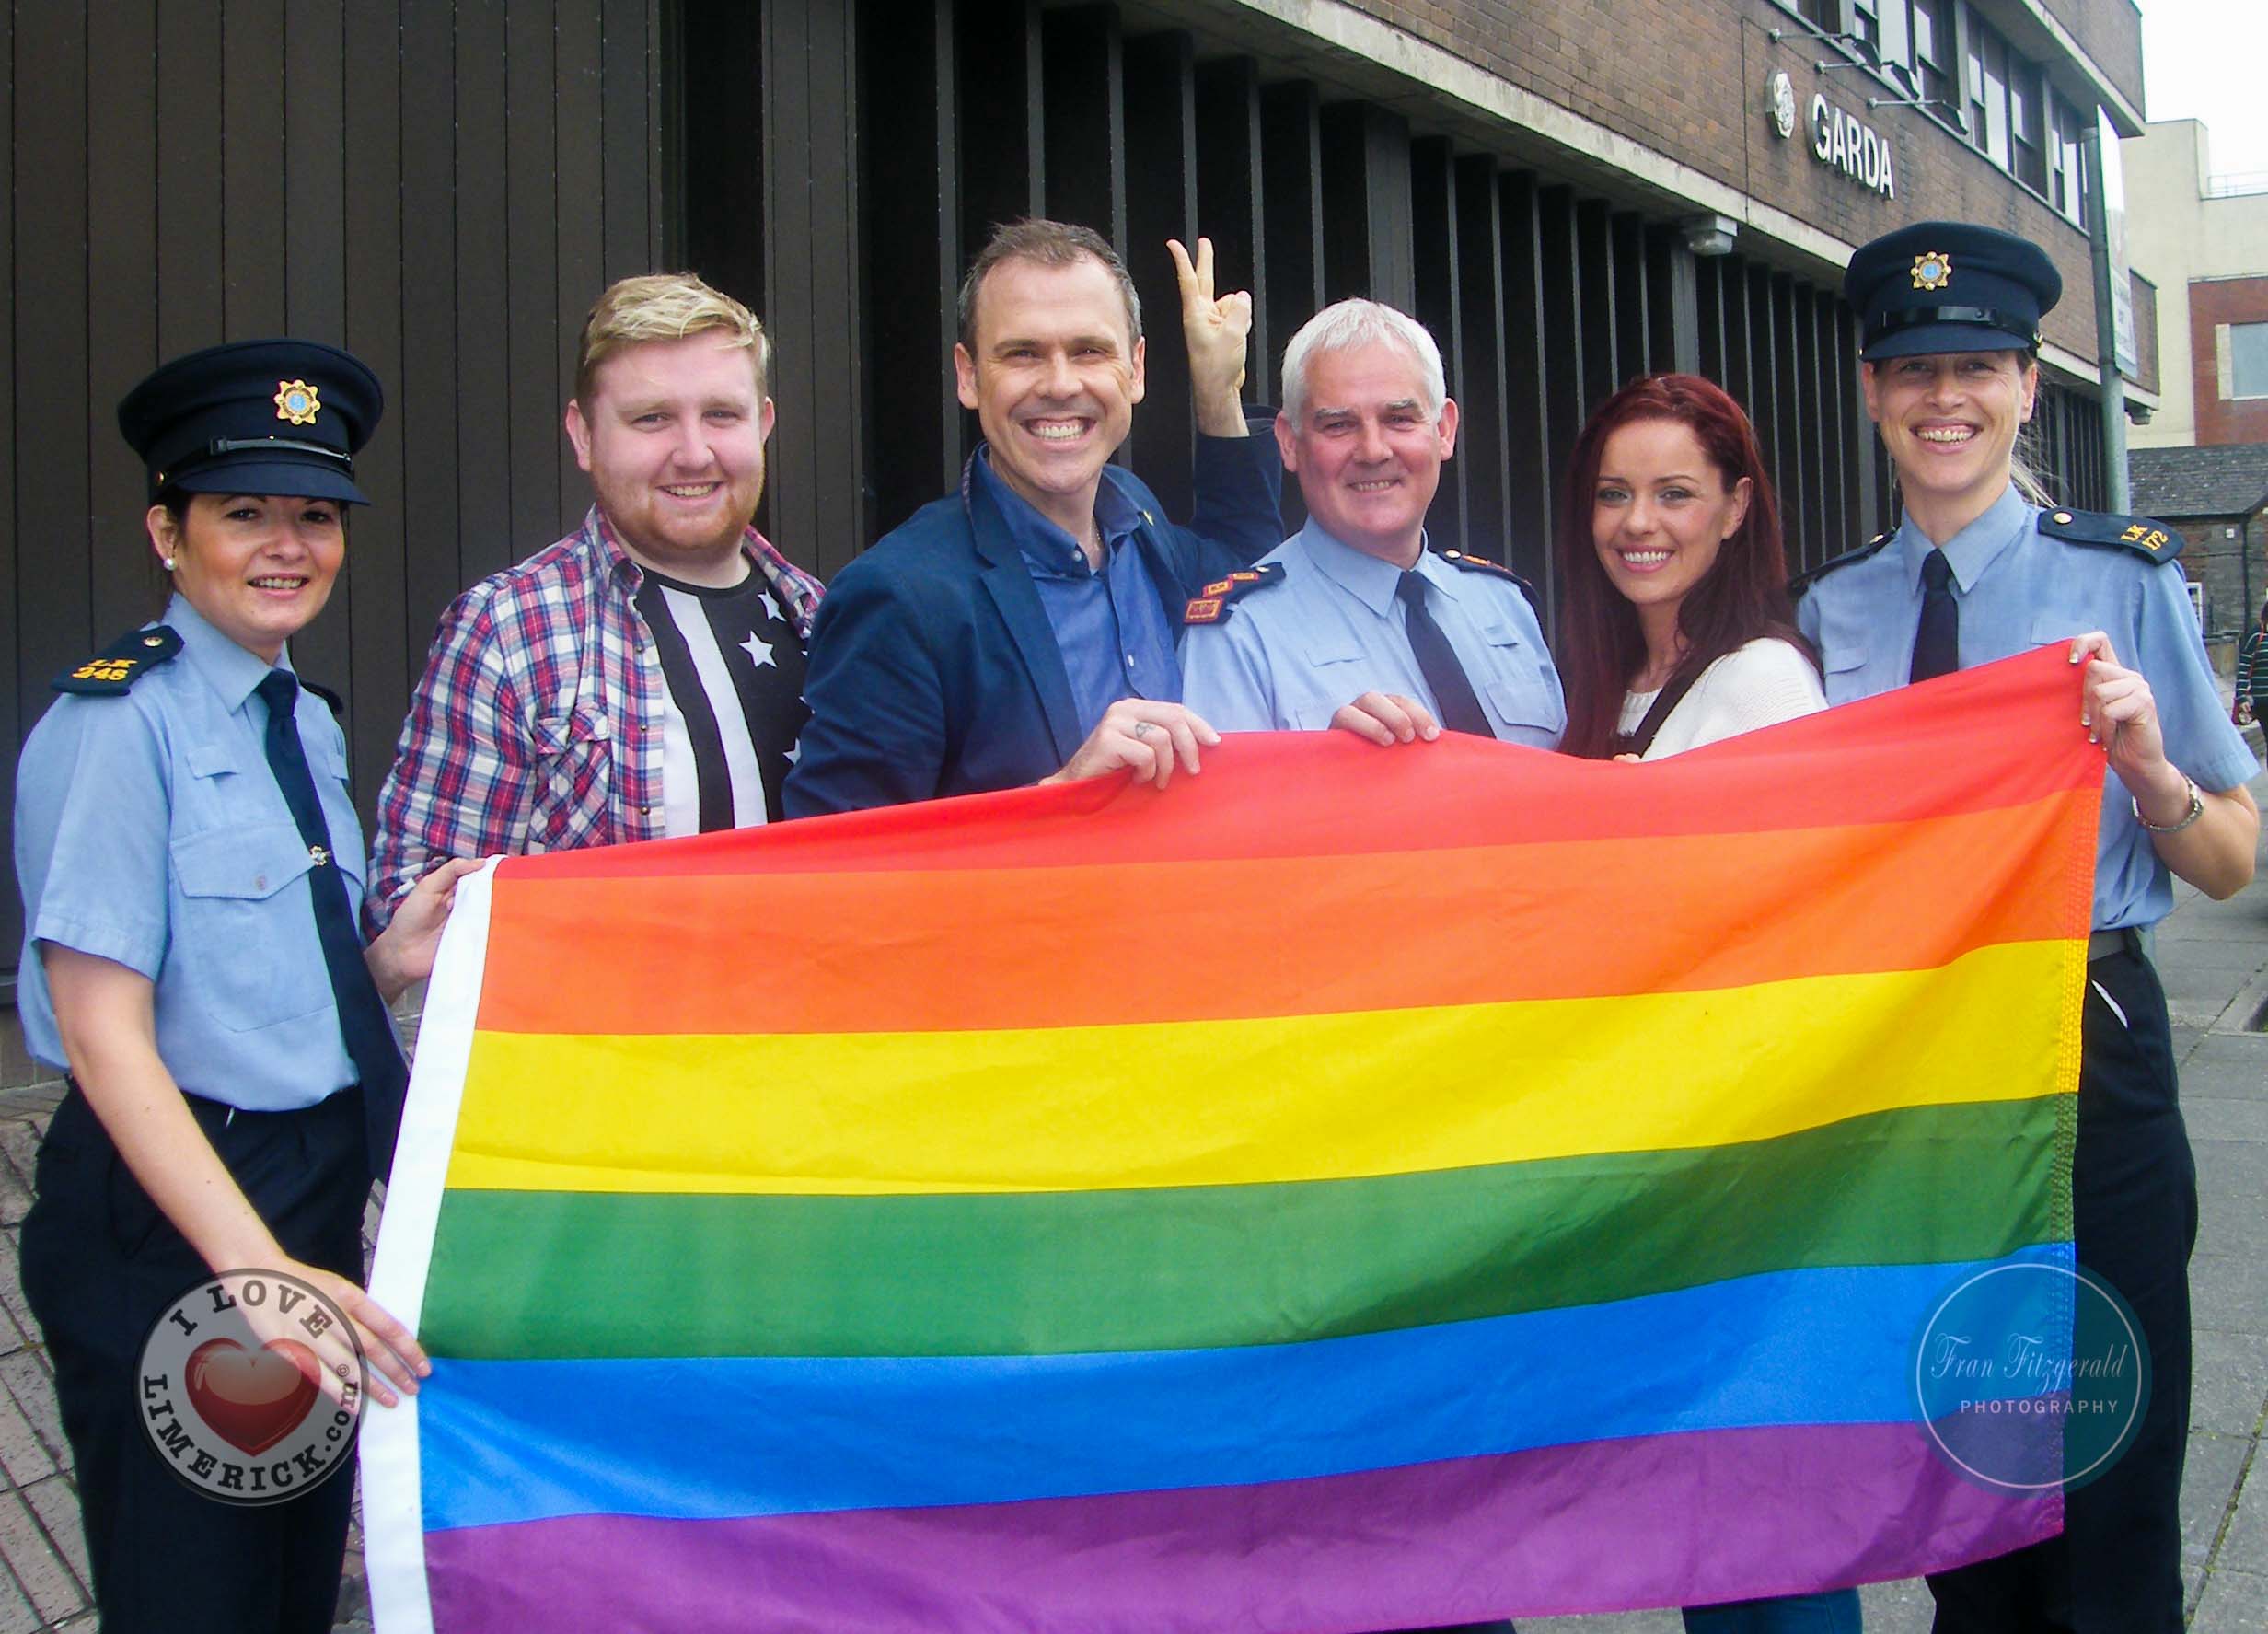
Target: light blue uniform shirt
[1288,654]
[150,831]
[2017,590]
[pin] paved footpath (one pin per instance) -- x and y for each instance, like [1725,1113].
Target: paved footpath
[2214,957]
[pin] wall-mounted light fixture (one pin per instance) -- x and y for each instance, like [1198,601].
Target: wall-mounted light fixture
[1808,33]
[1710,234]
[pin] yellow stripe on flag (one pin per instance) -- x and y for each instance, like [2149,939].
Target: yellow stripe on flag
[1279,1099]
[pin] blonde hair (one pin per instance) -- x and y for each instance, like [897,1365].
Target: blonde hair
[2027,455]
[665,306]
[2023,470]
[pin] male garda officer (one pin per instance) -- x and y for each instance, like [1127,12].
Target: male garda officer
[1352,620]
[1976,572]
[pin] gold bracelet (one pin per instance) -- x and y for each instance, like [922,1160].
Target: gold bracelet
[2196,809]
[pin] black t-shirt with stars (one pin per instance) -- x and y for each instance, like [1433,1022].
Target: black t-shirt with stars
[733,672]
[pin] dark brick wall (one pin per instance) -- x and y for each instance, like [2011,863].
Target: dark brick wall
[1687,80]
[2234,581]
[2213,302]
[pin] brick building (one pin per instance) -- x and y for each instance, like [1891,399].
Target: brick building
[1568,192]
[2202,239]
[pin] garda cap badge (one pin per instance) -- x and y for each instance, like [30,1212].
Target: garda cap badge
[1933,269]
[295,401]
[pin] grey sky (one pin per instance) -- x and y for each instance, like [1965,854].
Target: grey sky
[2203,59]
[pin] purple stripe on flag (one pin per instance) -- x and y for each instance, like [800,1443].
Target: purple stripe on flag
[1665,1519]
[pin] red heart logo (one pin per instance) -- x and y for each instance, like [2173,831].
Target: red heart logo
[252,1400]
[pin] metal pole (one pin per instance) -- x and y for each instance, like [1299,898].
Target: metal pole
[2117,495]
[2244,570]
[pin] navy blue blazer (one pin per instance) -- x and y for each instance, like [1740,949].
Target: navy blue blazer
[933,669]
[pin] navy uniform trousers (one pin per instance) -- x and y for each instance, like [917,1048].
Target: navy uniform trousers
[2118,1565]
[101,1264]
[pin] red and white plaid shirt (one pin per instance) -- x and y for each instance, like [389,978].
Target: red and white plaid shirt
[537,726]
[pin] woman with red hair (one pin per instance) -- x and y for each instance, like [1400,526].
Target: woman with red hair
[1675,629]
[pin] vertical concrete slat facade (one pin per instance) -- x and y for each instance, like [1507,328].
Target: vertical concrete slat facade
[422,181]
[1484,450]
[1160,136]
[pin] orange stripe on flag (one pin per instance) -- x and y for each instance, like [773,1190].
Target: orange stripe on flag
[1106,944]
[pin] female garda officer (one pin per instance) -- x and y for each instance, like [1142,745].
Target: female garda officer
[192,869]
[1975,572]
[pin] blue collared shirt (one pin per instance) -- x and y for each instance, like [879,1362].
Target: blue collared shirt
[150,831]
[1111,626]
[2017,589]
[1290,653]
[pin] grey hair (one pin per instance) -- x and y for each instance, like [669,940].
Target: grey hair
[1346,325]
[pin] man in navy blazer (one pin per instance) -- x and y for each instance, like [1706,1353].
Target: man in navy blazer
[1023,630]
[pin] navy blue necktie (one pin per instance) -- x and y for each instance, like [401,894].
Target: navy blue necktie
[363,1023]
[1437,661]
[1937,640]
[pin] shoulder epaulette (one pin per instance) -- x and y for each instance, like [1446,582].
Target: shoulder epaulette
[2144,536]
[1211,605]
[125,661]
[337,704]
[1471,564]
[1804,580]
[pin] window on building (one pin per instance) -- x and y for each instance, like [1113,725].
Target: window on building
[2025,89]
[1988,74]
[1883,24]
[2067,158]
[1933,49]
[2248,359]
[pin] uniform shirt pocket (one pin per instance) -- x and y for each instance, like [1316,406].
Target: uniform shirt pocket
[1847,659]
[246,944]
[1522,690]
[1529,711]
[2050,629]
[1336,674]
[1846,647]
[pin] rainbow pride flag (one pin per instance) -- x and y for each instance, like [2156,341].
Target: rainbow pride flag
[1351,1189]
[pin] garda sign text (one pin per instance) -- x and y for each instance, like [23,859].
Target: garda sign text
[1839,139]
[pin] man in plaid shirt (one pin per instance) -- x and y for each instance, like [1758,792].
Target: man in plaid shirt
[643,676]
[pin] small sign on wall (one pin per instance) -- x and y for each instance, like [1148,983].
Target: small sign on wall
[1838,139]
